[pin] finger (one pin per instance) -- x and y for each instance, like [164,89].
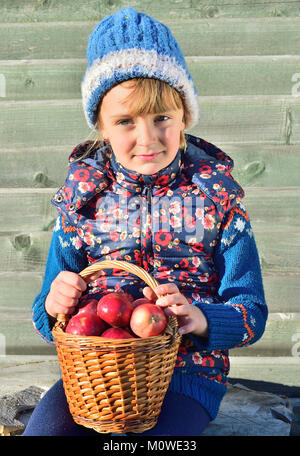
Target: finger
[171,300]
[65,301]
[186,329]
[70,310]
[149,294]
[61,309]
[67,290]
[60,295]
[180,310]
[73,279]
[166,288]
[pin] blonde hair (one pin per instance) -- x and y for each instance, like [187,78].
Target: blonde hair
[150,96]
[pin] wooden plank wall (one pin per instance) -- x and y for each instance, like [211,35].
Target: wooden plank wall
[245,60]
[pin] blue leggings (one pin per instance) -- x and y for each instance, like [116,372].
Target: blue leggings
[179,416]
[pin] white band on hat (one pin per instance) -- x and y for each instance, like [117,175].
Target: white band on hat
[139,63]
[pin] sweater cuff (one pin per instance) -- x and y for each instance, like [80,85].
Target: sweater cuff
[42,322]
[230,325]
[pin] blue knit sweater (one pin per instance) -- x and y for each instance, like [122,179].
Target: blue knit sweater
[236,314]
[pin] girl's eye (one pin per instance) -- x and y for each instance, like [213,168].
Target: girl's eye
[161,118]
[124,122]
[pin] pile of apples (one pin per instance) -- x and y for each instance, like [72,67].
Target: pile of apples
[116,316]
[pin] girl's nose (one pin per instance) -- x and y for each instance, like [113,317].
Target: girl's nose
[146,134]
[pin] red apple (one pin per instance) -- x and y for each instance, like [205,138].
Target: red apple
[88,305]
[86,324]
[117,333]
[148,320]
[140,301]
[115,309]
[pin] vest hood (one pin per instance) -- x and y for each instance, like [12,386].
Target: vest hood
[210,169]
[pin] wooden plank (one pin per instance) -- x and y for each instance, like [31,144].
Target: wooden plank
[269,118]
[60,40]
[27,209]
[42,79]
[24,251]
[20,335]
[258,165]
[37,10]
[216,76]
[245,75]
[278,206]
[274,369]
[19,290]
[262,165]
[278,249]
[42,123]
[197,37]
[264,119]
[34,167]
[282,292]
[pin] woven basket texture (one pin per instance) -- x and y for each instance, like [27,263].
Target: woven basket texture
[116,385]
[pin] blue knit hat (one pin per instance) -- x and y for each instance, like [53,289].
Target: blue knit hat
[129,45]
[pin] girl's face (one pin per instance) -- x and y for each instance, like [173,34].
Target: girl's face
[143,143]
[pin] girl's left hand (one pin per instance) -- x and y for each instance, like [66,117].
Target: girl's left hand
[190,318]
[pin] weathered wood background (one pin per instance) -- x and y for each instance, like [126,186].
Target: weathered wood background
[245,60]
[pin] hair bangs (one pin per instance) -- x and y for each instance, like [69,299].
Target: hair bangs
[152,96]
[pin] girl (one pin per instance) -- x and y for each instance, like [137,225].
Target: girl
[151,195]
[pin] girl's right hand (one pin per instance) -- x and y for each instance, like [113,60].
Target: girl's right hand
[65,292]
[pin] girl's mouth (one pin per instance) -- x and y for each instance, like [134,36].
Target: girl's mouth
[148,156]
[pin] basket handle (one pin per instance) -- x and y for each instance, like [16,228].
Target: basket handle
[115,264]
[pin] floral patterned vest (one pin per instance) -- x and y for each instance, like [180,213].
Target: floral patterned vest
[168,223]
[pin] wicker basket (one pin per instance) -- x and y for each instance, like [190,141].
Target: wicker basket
[116,385]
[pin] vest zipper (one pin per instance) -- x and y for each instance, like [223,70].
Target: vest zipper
[147,191]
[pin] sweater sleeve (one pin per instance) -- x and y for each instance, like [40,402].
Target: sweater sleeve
[238,315]
[66,253]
